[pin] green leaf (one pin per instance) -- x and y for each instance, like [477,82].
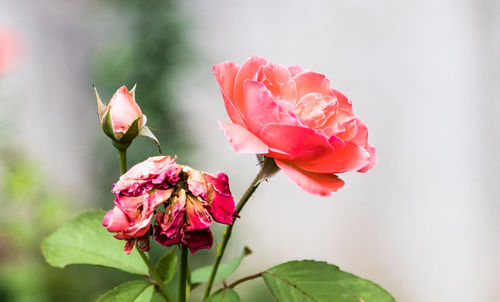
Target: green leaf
[224,295]
[224,271]
[133,291]
[145,131]
[83,240]
[319,281]
[166,266]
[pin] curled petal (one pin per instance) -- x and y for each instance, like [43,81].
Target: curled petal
[242,140]
[260,108]
[196,183]
[350,158]
[302,143]
[314,183]
[248,71]
[115,220]
[197,239]
[309,81]
[129,246]
[196,215]
[372,161]
[221,203]
[225,74]
[165,240]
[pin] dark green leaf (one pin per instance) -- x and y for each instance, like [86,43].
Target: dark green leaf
[133,291]
[83,240]
[322,282]
[224,295]
[166,266]
[225,269]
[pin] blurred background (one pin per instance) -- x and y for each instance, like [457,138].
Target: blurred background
[423,75]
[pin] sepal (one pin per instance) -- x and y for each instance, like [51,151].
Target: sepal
[268,167]
[145,131]
[101,107]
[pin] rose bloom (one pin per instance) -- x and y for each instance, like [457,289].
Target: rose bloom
[124,111]
[293,116]
[191,200]
[10,49]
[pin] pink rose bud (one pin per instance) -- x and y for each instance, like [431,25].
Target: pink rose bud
[122,119]
[292,116]
[190,198]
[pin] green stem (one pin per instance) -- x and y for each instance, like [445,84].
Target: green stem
[123,160]
[122,153]
[247,278]
[183,268]
[227,233]
[159,283]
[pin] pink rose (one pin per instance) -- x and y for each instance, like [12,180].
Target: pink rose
[124,111]
[293,116]
[10,49]
[191,199]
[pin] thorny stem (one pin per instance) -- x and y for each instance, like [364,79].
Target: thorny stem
[227,233]
[122,153]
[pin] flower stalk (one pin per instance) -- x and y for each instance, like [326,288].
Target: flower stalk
[122,154]
[183,269]
[227,233]
[159,283]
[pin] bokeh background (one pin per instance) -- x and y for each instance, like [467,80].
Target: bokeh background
[423,75]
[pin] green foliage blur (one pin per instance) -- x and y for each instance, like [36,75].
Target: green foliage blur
[153,50]
[32,208]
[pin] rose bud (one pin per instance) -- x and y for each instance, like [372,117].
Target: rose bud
[122,119]
[191,200]
[291,116]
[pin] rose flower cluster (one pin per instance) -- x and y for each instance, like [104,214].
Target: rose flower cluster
[292,115]
[190,199]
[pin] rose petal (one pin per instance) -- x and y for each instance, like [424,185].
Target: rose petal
[165,240]
[302,143]
[196,240]
[197,216]
[248,71]
[350,158]
[309,81]
[124,110]
[259,108]
[372,161]
[314,183]
[242,140]
[129,246]
[115,220]
[295,69]
[344,102]
[222,206]
[225,75]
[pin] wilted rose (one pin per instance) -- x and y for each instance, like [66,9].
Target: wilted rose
[293,116]
[191,199]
